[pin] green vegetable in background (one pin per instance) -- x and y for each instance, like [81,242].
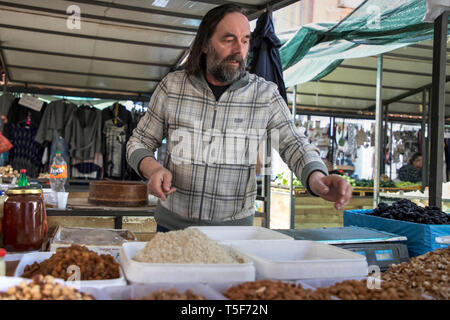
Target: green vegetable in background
[283,180]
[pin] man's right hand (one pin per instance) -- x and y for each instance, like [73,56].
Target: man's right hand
[159,178]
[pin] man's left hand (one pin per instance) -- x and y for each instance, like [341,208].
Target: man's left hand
[331,188]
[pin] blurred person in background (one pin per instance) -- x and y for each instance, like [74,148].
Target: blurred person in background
[412,171]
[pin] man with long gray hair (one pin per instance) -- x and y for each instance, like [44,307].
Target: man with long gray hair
[215,117]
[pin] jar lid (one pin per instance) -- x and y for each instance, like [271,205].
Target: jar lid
[23,190]
[2,252]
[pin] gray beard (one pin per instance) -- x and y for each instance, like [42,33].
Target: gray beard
[220,71]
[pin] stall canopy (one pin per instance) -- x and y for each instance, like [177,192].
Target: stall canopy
[334,65]
[116,48]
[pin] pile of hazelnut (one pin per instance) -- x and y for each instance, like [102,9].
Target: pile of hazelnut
[273,290]
[173,294]
[428,272]
[360,290]
[43,288]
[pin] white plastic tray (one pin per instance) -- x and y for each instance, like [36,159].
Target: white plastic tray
[138,291]
[321,283]
[443,240]
[38,257]
[8,282]
[301,259]
[141,272]
[222,287]
[225,234]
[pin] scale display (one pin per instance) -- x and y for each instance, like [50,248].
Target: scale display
[383,255]
[380,248]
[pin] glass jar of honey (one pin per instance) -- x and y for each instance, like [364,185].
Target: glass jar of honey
[24,220]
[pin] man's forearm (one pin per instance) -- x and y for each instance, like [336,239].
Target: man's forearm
[147,166]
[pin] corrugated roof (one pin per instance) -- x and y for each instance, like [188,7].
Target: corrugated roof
[120,47]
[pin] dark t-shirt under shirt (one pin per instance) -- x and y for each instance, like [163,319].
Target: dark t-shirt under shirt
[217,90]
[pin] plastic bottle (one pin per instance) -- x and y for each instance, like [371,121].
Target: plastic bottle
[23,181]
[2,262]
[58,173]
[3,198]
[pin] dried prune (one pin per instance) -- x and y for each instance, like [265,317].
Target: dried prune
[405,210]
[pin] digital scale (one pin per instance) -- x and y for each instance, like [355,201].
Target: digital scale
[380,248]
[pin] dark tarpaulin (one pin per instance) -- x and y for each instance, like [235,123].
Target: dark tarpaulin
[266,60]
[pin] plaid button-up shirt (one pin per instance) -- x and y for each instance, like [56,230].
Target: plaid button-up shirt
[212,145]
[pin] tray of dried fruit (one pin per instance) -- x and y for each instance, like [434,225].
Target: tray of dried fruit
[76,265]
[46,288]
[163,291]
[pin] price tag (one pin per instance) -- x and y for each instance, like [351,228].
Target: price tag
[31,102]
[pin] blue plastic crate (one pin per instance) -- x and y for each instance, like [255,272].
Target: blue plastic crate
[421,237]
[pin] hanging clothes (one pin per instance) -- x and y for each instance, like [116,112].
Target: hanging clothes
[21,130]
[115,142]
[18,113]
[83,136]
[83,133]
[56,116]
[6,101]
[118,124]
[266,60]
[26,152]
[87,169]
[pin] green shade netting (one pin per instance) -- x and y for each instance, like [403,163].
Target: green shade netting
[375,27]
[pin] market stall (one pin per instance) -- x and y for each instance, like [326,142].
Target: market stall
[248,259]
[53,261]
[395,78]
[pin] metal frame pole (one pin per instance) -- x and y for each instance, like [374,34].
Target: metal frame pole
[266,191]
[424,144]
[378,131]
[390,150]
[438,109]
[291,187]
[384,129]
[430,98]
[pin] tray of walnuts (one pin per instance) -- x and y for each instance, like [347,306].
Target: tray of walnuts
[75,264]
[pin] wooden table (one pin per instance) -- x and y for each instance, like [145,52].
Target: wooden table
[79,206]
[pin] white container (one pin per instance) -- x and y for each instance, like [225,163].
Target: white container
[222,287]
[321,283]
[443,240]
[61,200]
[227,234]
[8,282]
[50,197]
[139,291]
[30,258]
[301,259]
[142,272]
